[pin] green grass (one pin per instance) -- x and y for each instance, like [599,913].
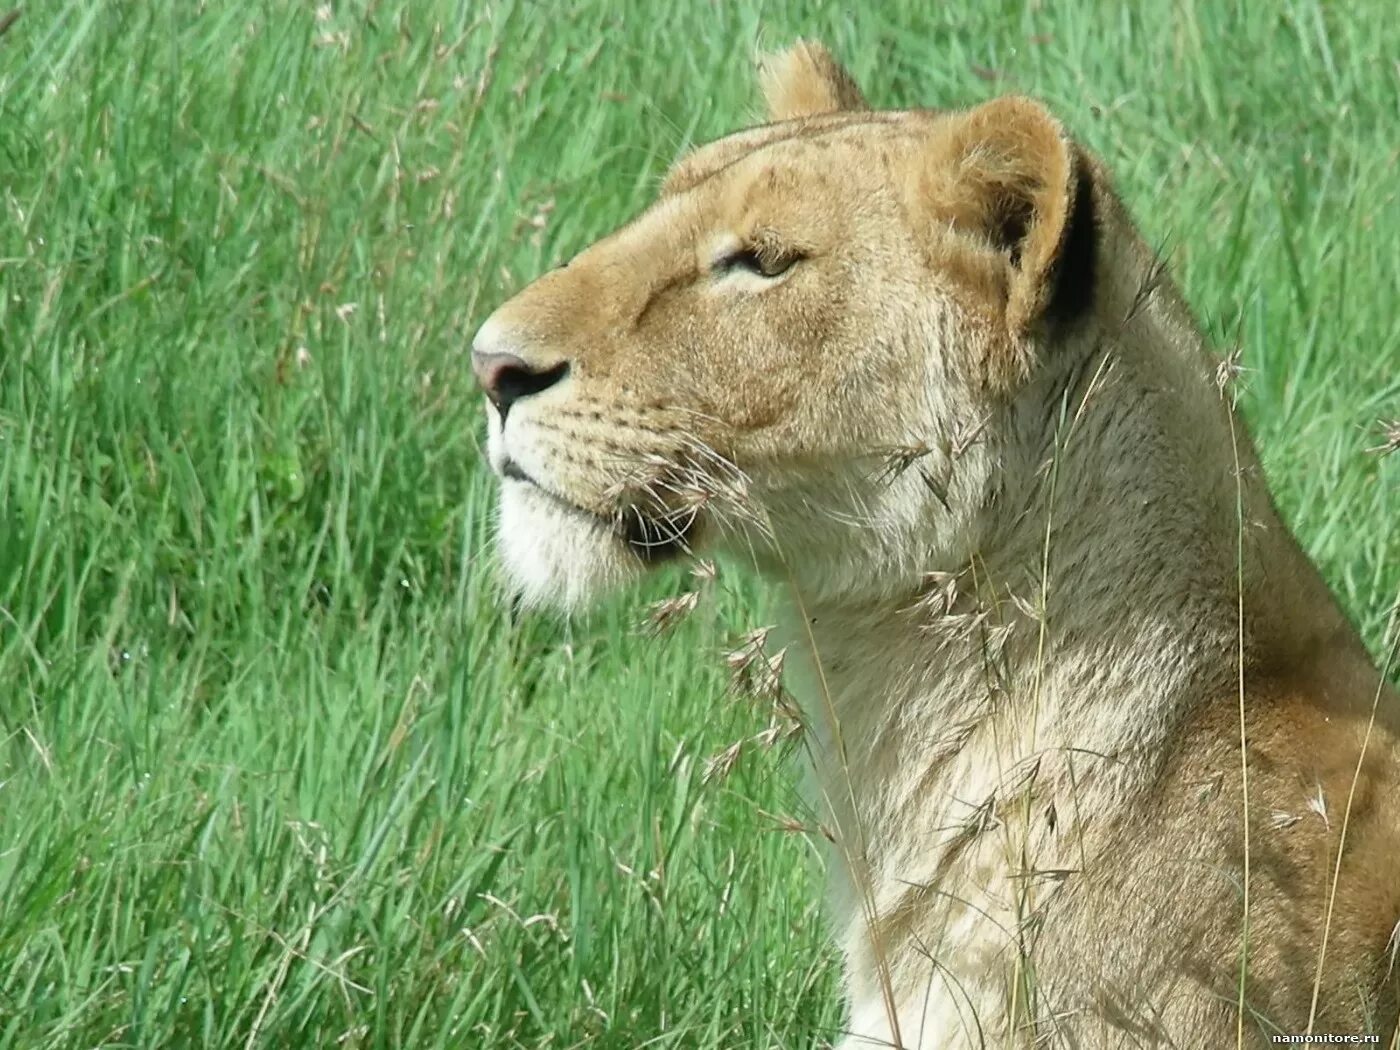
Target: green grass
[276,768]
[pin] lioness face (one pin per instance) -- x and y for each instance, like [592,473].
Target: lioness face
[806,306]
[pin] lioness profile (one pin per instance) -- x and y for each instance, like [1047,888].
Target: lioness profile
[1052,637]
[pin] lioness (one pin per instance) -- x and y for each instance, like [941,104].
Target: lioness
[921,370]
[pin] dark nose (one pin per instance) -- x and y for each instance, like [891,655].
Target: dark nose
[507,378]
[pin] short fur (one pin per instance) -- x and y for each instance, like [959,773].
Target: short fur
[920,369]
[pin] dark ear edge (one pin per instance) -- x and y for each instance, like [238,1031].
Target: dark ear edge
[1013,180]
[1073,277]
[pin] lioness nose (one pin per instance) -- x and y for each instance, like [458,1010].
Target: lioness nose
[506,378]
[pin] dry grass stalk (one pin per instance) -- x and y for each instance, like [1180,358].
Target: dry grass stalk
[1152,279]
[1392,655]
[792,826]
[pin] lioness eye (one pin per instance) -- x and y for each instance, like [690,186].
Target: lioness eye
[763,262]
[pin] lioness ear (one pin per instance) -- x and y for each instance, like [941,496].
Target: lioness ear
[805,80]
[1015,179]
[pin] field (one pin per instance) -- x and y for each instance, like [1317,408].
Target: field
[277,767]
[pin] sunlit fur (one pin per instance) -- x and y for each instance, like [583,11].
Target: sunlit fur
[973,434]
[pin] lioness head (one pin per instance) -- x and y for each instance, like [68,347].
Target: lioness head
[800,352]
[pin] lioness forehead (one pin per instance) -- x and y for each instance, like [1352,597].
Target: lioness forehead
[865,128]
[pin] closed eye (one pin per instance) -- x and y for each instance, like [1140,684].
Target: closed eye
[759,261]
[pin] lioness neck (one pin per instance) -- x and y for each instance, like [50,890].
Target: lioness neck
[1027,653]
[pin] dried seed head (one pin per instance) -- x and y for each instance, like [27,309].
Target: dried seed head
[749,650]
[1389,437]
[896,459]
[769,737]
[662,616]
[689,495]
[965,435]
[1229,370]
[954,626]
[761,678]
[757,676]
[996,638]
[720,765]
[1027,609]
[1151,280]
[674,488]
[789,824]
[941,592]
[704,571]
[785,724]
[1317,803]
[938,488]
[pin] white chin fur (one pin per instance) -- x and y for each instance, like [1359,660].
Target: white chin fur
[556,557]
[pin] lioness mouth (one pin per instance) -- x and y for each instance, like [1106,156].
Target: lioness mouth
[656,539]
[652,538]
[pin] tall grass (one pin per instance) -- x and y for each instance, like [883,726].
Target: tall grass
[276,767]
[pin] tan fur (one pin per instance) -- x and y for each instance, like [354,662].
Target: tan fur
[949,403]
[804,81]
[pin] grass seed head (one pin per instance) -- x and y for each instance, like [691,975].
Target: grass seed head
[718,766]
[754,674]
[1229,370]
[1151,280]
[674,489]
[664,615]
[940,593]
[1317,803]
[757,676]
[747,652]
[1389,437]
[784,725]
[953,627]
[703,571]
[896,459]
[1026,608]
[965,435]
